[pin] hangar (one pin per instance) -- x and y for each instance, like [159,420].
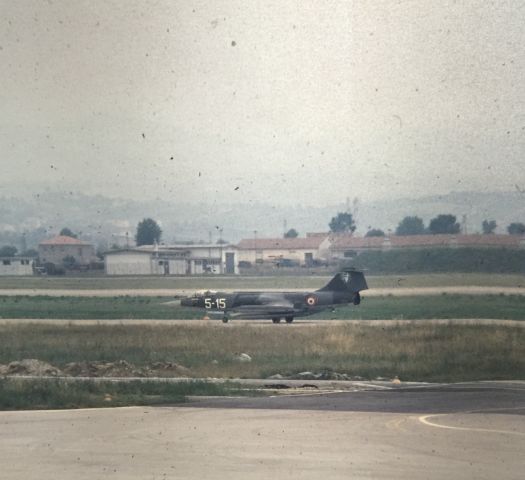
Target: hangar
[172,260]
[304,251]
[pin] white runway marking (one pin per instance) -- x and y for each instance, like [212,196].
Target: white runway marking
[424,419]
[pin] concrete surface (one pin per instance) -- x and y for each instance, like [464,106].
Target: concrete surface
[180,292]
[297,323]
[468,431]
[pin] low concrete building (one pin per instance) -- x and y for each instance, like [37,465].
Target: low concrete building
[56,249]
[16,265]
[302,250]
[348,246]
[172,260]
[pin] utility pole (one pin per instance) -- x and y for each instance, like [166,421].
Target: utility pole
[255,245]
[24,243]
[221,270]
[209,243]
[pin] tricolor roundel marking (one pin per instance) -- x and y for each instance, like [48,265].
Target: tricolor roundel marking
[311,300]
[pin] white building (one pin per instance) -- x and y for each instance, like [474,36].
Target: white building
[302,250]
[172,260]
[16,266]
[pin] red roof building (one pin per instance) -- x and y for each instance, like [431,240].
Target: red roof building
[333,246]
[63,240]
[56,249]
[347,245]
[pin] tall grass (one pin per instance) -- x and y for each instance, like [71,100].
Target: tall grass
[49,394]
[416,351]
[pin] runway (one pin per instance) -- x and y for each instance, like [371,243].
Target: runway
[464,431]
[239,323]
[183,292]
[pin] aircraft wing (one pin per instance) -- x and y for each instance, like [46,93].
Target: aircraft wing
[267,310]
[274,308]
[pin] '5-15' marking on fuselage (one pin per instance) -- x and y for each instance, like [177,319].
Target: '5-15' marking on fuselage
[219,303]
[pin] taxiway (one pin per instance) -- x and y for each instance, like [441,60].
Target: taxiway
[462,431]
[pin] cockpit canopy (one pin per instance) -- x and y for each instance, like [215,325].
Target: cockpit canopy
[205,293]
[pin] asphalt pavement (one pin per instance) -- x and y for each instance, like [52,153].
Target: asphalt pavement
[459,431]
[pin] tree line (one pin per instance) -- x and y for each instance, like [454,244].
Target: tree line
[149,232]
[344,222]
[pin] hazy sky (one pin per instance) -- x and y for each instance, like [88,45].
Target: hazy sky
[291,102]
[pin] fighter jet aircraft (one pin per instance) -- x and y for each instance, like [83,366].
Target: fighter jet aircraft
[343,289]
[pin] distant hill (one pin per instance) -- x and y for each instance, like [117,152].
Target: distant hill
[101,219]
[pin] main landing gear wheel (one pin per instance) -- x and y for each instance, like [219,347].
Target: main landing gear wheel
[276,320]
[225,319]
[288,319]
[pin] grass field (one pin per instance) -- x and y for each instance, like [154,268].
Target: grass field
[52,394]
[418,352]
[217,282]
[388,307]
[93,307]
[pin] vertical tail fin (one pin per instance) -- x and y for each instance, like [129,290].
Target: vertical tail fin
[350,281]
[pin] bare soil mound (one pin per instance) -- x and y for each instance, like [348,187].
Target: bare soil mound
[30,366]
[120,368]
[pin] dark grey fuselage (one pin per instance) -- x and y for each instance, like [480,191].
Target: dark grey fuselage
[277,305]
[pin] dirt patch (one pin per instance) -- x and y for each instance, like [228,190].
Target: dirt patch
[30,366]
[120,368]
[168,369]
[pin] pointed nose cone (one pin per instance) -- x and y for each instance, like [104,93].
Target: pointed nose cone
[176,303]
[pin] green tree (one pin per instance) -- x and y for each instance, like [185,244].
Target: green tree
[488,226]
[375,232]
[292,233]
[31,252]
[342,222]
[444,223]
[410,226]
[148,232]
[67,232]
[516,228]
[8,251]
